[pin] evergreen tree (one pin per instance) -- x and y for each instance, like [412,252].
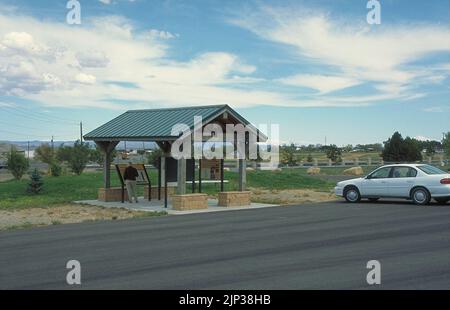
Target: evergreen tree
[397,149]
[36,183]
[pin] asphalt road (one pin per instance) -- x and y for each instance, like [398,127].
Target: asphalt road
[315,246]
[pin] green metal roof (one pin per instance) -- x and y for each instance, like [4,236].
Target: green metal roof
[155,124]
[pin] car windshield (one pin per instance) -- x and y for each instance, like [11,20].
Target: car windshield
[431,169]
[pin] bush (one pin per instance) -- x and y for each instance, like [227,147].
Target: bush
[288,155]
[334,153]
[35,184]
[55,169]
[45,153]
[79,157]
[17,163]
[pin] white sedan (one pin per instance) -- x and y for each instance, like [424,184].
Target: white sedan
[417,182]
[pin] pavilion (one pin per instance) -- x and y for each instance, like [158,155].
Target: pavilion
[156,125]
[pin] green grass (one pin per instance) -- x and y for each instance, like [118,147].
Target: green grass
[65,189]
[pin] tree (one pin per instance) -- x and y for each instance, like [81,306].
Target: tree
[96,155]
[153,157]
[63,153]
[79,157]
[288,156]
[17,163]
[446,143]
[309,159]
[36,183]
[333,153]
[397,149]
[45,153]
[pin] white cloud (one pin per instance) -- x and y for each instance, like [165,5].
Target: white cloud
[356,51]
[84,78]
[322,83]
[92,59]
[105,1]
[161,34]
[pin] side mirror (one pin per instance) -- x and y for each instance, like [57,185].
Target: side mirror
[368,177]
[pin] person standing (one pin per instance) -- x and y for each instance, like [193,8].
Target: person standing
[130,176]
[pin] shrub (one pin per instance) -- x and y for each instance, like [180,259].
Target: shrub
[36,183]
[45,153]
[55,169]
[79,157]
[17,163]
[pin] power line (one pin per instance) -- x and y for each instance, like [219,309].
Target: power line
[40,114]
[30,128]
[30,115]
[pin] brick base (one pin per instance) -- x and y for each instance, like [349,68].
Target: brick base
[234,199]
[189,202]
[111,194]
[170,191]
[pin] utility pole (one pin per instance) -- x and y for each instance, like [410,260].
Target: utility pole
[53,148]
[81,131]
[28,149]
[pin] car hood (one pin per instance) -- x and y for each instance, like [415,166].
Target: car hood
[350,181]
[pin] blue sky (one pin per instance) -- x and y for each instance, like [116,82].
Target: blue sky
[316,68]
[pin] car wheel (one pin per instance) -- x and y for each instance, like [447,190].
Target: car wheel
[420,196]
[352,194]
[374,199]
[442,200]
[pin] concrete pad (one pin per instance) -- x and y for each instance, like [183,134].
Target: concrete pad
[158,206]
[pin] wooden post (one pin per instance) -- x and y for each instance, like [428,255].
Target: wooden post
[193,175]
[181,176]
[221,174]
[107,147]
[165,183]
[242,176]
[159,177]
[200,175]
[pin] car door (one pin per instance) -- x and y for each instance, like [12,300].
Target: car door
[403,179]
[375,184]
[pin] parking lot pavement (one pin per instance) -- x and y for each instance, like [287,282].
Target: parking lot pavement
[313,246]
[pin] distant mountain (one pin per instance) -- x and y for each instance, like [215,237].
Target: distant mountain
[23,145]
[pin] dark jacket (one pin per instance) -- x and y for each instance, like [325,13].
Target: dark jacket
[131,173]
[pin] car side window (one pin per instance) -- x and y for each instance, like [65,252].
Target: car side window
[381,173]
[404,172]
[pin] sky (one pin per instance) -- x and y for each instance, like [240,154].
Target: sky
[316,68]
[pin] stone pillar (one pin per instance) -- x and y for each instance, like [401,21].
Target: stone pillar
[315,162]
[242,175]
[330,162]
[181,176]
[369,161]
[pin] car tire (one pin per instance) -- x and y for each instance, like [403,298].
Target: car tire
[374,199]
[442,201]
[351,194]
[420,196]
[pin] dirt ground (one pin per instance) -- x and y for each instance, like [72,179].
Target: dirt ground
[290,196]
[63,214]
